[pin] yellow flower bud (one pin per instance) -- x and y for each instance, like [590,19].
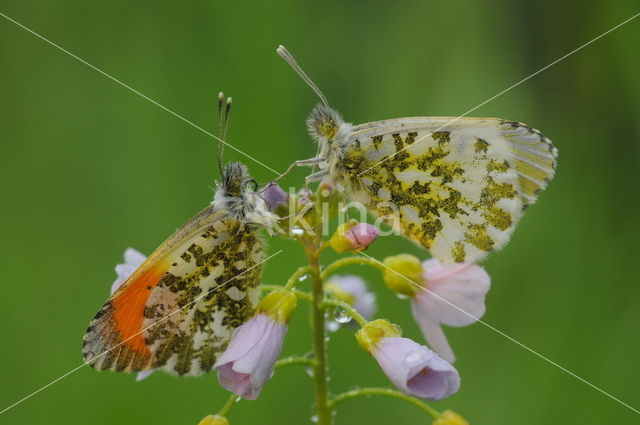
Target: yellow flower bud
[214,420]
[450,418]
[278,305]
[371,333]
[399,269]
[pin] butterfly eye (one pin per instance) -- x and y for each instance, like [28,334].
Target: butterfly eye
[251,185]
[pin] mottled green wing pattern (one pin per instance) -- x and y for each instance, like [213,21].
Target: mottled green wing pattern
[221,269]
[456,189]
[178,310]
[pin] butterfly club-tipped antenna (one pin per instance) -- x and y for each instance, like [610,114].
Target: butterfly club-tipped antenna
[323,123]
[288,57]
[224,111]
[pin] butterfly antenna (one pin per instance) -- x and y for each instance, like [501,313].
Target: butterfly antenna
[288,57]
[224,110]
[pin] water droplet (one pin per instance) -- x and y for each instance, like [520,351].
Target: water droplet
[402,296]
[309,371]
[341,316]
[333,326]
[297,231]
[314,419]
[303,277]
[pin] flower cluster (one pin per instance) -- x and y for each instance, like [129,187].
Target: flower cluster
[438,294]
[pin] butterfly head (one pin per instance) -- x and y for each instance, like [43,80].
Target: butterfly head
[237,196]
[236,180]
[323,123]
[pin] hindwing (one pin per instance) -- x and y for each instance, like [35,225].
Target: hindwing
[177,311]
[456,189]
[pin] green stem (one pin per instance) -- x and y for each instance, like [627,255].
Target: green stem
[300,294]
[323,410]
[333,302]
[295,277]
[385,392]
[228,405]
[289,361]
[350,261]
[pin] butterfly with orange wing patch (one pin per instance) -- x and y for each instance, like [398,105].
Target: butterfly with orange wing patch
[178,310]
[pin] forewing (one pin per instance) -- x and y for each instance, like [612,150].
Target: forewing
[456,189]
[178,310]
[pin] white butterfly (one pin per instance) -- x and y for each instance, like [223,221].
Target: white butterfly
[456,186]
[177,309]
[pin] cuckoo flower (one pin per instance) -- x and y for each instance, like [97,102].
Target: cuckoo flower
[450,418]
[214,420]
[353,290]
[353,236]
[413,368]
[452,295]
[275,197]
[248,361]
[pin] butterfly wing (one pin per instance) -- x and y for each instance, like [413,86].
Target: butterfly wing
[456,189]
[177,311]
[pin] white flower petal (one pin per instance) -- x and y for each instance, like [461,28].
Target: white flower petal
[132,260]
[144,374]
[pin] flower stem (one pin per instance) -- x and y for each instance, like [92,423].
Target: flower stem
[350,261]
[228,405]
[348,308]
[300,294]
[323,411]
[295,277]
[388,393]
[289,361]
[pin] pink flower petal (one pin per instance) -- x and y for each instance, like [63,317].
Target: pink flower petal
[433,333]
[415,369]
[248,362]
[453,295]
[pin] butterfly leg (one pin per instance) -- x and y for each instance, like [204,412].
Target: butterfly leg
[316,177]
[300,163]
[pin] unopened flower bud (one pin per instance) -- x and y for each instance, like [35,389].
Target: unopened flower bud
[450,418]
[403,274]
[353,236]
[214,420]
[373,332]
[276,198]
[278,305]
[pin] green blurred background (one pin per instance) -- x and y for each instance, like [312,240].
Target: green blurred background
[89,168]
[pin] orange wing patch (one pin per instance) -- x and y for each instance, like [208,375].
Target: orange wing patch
[114,339]
[129,305]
